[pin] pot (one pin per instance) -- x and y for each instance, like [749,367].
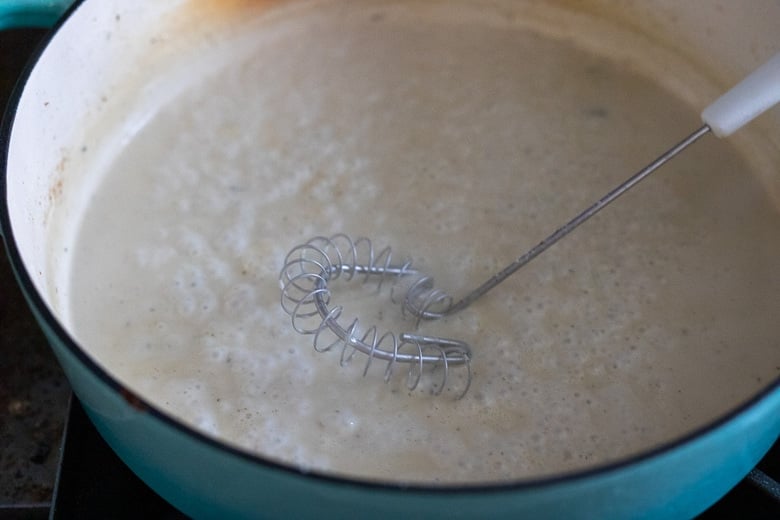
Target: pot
[98,55]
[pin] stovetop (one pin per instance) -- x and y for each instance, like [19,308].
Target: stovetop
[43,476]
[33,391]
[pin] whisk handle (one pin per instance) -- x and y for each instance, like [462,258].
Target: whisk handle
[754,95]
[750,98]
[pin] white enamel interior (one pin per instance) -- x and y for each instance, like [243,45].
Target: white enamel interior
[74,77]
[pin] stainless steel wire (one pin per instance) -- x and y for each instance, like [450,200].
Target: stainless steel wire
[310,268]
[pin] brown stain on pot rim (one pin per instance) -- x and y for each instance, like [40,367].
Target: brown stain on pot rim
[133,400]
[220,11]
[54,194]
[193,23]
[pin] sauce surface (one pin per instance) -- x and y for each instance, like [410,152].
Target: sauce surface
[460,145]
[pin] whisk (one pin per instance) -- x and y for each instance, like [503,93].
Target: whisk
[310,268]
[306,276]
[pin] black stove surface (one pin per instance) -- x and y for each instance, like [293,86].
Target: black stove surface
[94,483]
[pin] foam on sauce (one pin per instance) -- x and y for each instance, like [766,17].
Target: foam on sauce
[461,145]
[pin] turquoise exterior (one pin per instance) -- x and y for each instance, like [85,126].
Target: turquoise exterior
[207,479]
[31,13]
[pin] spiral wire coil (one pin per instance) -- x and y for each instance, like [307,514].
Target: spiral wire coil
[305,281]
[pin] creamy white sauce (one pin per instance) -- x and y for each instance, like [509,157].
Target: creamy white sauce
[460,145]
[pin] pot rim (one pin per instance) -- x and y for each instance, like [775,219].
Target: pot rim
[45,316]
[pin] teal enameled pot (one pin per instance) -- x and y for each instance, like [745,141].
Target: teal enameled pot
[98,52]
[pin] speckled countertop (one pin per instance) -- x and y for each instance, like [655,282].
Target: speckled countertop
[33,390]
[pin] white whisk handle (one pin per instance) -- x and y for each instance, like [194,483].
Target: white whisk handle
[750,98]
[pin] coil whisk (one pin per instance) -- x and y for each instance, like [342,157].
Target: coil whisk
[306,278]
